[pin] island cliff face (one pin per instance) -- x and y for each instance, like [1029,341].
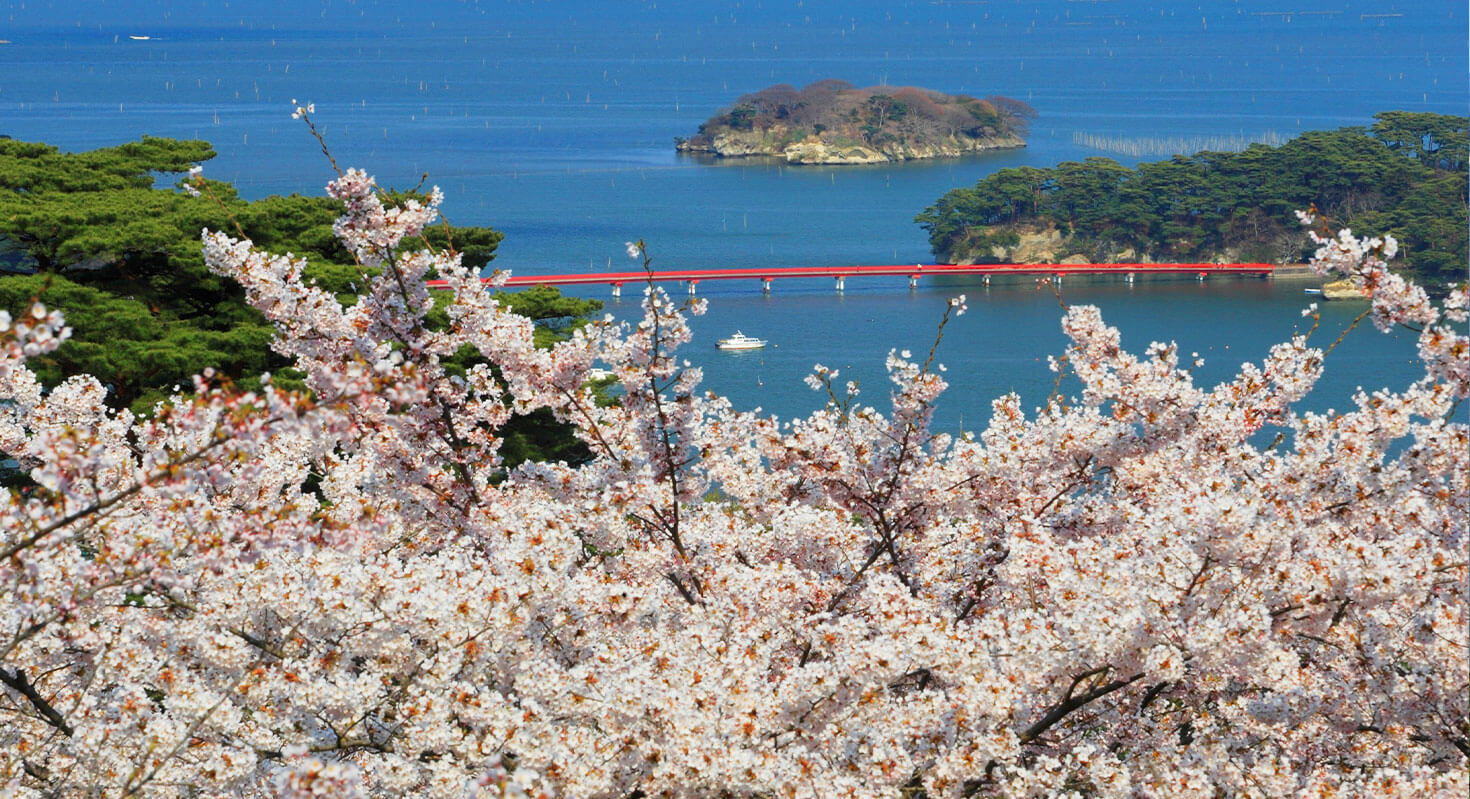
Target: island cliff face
[833,122]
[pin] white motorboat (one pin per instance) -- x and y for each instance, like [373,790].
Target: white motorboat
[740,341]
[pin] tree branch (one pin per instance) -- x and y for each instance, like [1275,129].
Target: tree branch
[103,505]
[1072,702]
[22,685]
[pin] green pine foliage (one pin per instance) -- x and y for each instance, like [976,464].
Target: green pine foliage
[91,234]
[1405,176]
[109,237]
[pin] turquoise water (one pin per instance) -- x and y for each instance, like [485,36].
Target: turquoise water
[554,121]
[1001,344]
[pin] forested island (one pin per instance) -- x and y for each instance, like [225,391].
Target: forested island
[93,234]
[1405,175]
[834,122]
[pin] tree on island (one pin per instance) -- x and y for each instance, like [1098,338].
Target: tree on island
[345,593]
[1406,176]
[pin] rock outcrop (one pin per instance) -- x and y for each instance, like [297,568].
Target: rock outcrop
[1342,290]
[1046,243]
[813,149]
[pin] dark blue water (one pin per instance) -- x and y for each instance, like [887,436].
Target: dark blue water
[554,122]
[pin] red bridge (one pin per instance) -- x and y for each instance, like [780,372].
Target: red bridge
[839,274]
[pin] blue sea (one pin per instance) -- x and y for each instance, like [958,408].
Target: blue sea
[554,121]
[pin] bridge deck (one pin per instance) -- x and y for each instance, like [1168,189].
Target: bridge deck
[913,271]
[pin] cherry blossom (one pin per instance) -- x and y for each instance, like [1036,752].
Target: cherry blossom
[1130,591]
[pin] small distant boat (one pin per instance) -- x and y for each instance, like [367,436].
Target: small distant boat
[1312,291]
[140,38]
[740,341]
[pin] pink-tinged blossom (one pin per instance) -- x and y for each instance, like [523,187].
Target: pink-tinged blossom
[1121,593]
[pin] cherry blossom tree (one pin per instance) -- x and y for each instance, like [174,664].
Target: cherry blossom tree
[346,593]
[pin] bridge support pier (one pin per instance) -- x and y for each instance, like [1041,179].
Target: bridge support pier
[617,289]
[692,284]
[1130,278]
[1058,278]
[766,285]
[1200,277]
[913,282]
[840,282]
[987,281]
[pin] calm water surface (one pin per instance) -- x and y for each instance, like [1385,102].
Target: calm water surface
[1002,343]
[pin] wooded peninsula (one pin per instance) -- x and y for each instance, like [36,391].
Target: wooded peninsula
[1405,176]
[834,122]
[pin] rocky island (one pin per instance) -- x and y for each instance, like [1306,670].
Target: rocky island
[834,122]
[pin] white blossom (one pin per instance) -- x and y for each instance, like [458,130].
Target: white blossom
[345,593]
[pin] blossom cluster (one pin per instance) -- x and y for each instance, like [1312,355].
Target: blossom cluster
[347,593]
